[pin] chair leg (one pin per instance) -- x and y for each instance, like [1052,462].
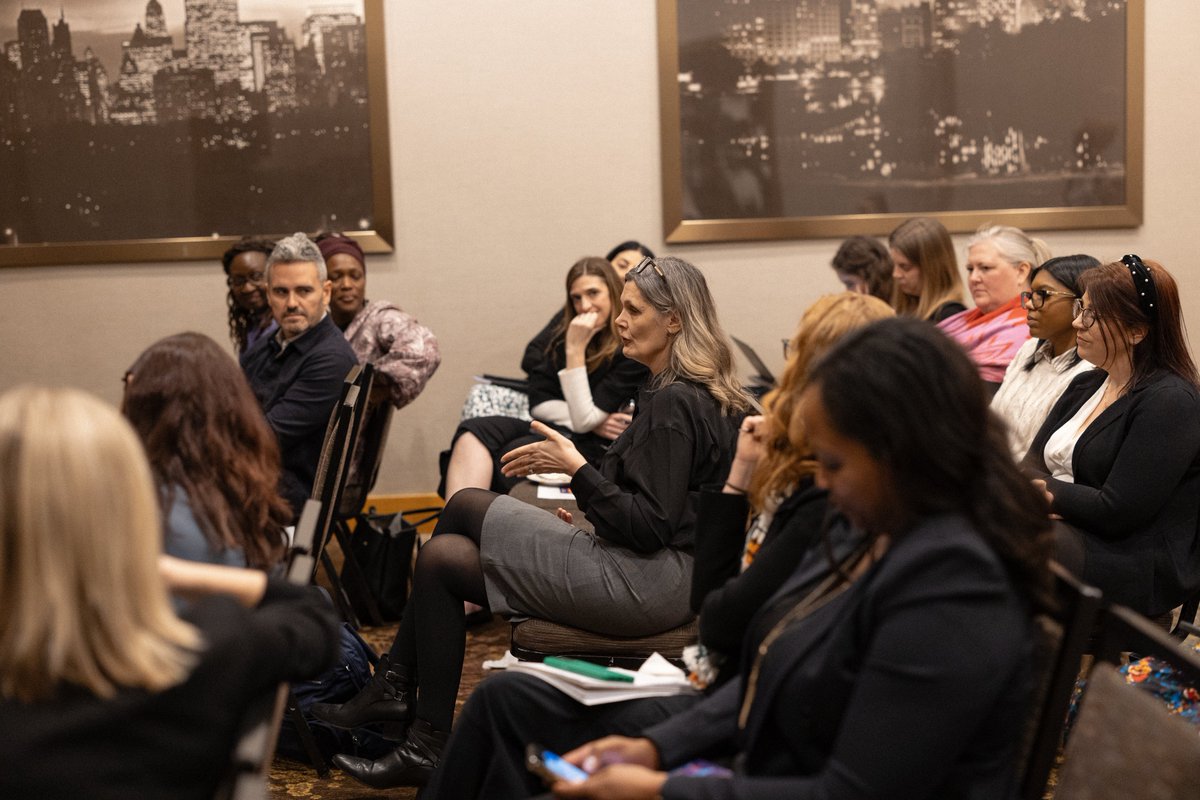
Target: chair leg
[340,599]
[306,737]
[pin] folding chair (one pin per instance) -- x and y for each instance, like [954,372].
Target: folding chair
[341,436]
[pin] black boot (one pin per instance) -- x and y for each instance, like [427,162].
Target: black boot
[410,764]
[388,698]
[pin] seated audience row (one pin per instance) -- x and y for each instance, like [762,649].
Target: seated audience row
[862,677]
[876,544]
[1119,454]
[1048,361]
[926,284]
[296,369]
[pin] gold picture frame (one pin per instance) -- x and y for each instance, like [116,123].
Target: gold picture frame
[377,235]
[696,204]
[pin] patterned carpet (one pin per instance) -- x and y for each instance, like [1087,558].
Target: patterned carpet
[292,779]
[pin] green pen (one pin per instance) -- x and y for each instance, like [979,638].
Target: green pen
[587,668]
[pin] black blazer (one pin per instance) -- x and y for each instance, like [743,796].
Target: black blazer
[914,683]
[1136,495]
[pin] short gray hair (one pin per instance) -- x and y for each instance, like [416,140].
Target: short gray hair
[295,249]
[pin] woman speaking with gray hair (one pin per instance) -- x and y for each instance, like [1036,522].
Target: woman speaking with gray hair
[629,577]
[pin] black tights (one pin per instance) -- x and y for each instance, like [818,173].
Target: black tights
[432,636]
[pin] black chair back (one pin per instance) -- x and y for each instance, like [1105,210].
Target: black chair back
[1062,635]
[367,455]
[252,754]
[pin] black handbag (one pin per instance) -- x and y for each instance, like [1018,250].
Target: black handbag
[382,545]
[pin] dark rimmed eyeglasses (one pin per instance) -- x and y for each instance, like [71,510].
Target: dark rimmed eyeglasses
[1087,316]
[648,262]
[238,281]
[1037,298]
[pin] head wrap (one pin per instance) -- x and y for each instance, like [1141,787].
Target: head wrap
[334,244]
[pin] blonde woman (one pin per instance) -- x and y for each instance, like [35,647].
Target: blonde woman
[628,578]
[104,691]
[925,281]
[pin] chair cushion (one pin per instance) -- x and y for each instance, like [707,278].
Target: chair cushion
[534,639]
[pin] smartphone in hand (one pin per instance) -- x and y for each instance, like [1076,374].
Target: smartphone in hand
[551,767]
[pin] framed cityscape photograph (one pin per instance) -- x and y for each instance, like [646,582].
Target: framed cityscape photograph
[786,119]
[163,130]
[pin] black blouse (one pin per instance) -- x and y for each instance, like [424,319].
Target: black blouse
[645,492]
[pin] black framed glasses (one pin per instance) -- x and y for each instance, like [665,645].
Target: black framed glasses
[238,281]
[1037,298]
[1087,316]
[648,262]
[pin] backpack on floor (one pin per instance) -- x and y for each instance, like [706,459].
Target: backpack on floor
[337,685]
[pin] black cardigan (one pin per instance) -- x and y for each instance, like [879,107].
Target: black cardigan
[725,598]
[1136,495]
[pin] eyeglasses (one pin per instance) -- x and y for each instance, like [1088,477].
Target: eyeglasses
[1037,298]
[238,281]
[787,348]
[648,262]
[1087,316]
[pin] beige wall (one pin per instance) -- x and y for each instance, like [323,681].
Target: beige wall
[525,135]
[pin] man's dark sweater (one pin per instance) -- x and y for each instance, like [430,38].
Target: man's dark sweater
[298,385]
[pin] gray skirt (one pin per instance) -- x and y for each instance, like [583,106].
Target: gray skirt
[536,565]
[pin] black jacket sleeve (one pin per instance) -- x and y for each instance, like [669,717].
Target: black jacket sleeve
[727,610]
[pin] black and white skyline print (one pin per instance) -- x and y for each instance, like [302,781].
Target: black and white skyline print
[802,108]
[145,119]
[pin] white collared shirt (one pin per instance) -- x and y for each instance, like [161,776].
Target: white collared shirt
[1026,396]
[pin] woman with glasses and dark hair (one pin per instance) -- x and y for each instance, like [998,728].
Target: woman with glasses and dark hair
[1119,454]
[1048,361]
[245,274]
[628,577]
[906,670]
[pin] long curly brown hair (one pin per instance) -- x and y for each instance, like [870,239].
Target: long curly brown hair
[206,436]
[787,458]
